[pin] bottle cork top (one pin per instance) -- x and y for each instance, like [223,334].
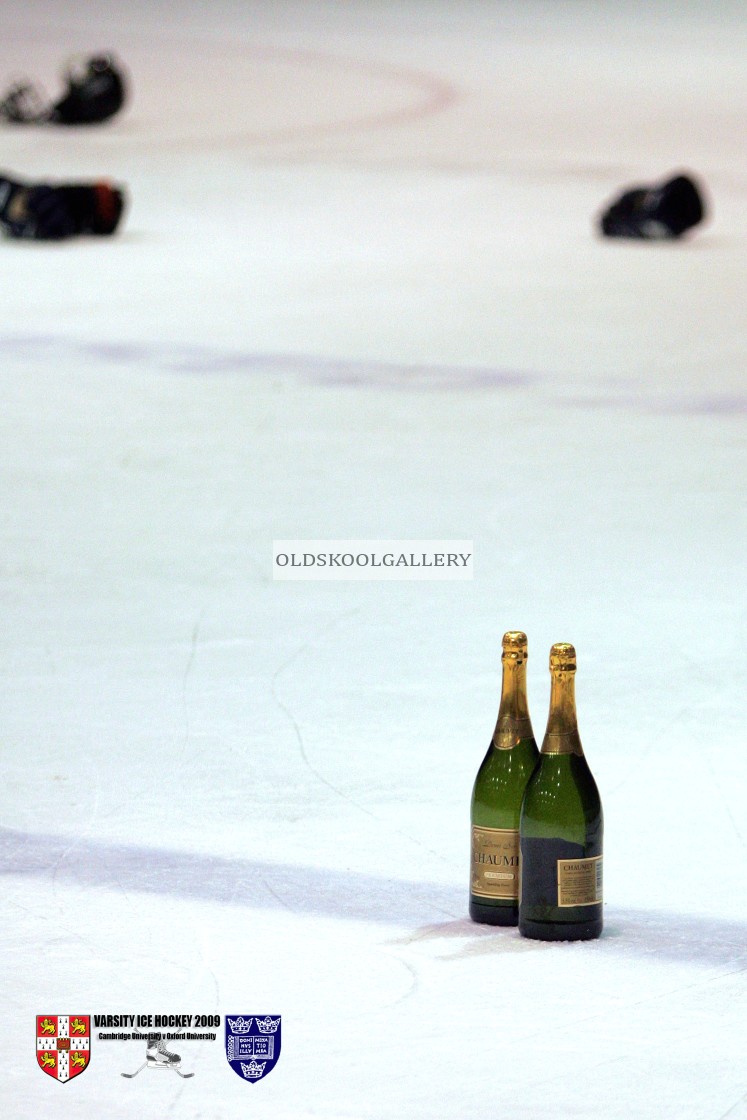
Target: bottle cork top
[563,658]
[515,645]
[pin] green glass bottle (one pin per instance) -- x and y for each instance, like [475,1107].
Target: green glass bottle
[561,825]
[497,793]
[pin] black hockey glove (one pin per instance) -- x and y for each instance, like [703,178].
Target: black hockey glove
[657,213]
[51,213]
[96,90]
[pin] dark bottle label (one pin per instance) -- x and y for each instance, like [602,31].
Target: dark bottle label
[557,874]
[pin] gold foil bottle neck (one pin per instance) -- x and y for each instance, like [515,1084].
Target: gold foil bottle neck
[513,717]
[561,736]
[563,658]
[514,646]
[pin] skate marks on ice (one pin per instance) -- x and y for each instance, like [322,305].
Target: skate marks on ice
[348,895]
[649,934]
[631,394]
[307,647]
[737,1111]
[652,934]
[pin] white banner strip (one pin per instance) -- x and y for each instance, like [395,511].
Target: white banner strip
[372,560]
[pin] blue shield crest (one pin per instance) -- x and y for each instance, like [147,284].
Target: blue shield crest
[252,1045]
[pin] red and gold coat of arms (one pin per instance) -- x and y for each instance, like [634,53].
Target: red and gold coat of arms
[63,1044]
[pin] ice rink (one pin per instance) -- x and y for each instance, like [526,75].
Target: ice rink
[358,294]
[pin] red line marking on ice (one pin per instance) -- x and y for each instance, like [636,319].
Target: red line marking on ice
[439,95]
[438,92]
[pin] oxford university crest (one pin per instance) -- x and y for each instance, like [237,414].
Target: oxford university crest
[252,1045]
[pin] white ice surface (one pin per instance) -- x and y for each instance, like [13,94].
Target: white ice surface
[358,295]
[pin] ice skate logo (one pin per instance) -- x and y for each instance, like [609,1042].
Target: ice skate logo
[158,1056]
[63,1045]
[252,1045]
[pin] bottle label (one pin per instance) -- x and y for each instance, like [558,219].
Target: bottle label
[495,862]
[510,730]
[562,742]
[580,881]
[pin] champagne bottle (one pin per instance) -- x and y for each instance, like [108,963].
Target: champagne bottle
[497,793]
[561,825]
